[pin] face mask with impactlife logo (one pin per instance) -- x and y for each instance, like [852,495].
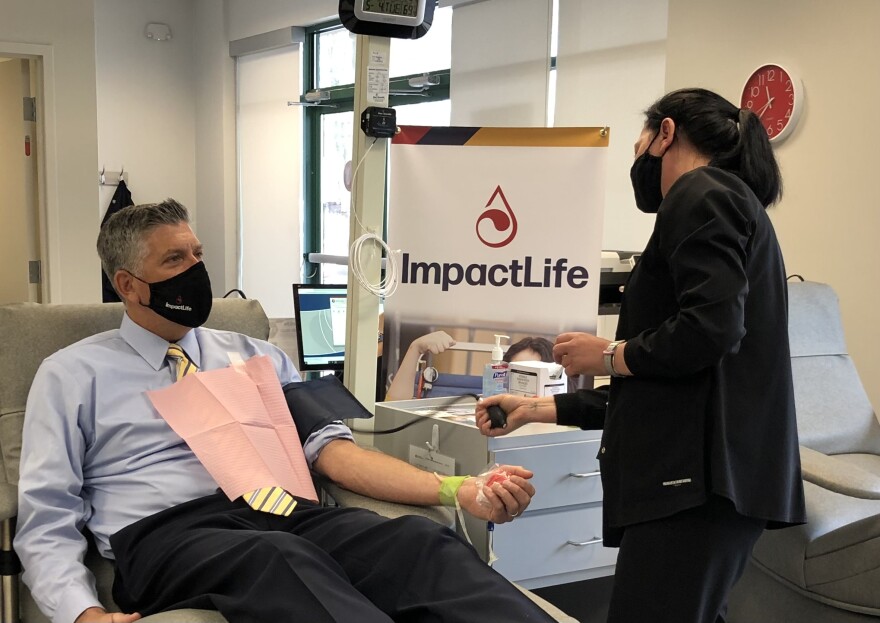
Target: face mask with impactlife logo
[184,299]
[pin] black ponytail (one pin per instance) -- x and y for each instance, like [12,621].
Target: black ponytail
[757,163]
[733,139]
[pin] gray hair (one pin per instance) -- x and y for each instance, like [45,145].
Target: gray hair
[122,240]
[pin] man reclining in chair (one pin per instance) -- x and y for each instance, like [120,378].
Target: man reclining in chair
[96,454]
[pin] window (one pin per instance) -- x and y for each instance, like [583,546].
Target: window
[329,62]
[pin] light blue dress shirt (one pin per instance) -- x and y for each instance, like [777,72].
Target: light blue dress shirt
[96,453]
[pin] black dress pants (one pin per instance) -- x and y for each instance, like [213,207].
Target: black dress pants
[317,565]
[680,569]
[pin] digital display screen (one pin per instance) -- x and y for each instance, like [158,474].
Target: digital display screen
[401,8]
[320,318]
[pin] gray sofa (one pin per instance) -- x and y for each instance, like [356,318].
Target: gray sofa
[828,570]
[29,333]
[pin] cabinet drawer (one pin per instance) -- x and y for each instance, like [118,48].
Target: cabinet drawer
[545,544]
[565,473]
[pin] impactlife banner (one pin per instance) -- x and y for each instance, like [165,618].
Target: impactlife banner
[499,230]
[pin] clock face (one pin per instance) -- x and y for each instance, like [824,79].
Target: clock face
[775,96]
[402,8]
[403,12]
[401,19]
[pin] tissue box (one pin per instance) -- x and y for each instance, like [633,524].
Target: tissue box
[536,378]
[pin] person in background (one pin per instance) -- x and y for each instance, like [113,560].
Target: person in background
[97,455]
[401,387]
[699,450]
[530,349]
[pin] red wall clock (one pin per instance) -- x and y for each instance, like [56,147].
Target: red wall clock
[776,96]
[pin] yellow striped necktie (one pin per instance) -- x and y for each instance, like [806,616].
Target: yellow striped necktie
[274,500]
[183,365]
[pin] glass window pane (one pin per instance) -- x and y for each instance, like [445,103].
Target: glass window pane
[336,58]
[336,144]
[432,52]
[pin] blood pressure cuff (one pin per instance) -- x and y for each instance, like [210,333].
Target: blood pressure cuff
[316,403]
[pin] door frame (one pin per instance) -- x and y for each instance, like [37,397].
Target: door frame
[43,76]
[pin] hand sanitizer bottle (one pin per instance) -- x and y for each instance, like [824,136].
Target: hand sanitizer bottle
[495,372]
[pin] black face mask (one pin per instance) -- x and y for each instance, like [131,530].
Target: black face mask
[645,176]
[184,299]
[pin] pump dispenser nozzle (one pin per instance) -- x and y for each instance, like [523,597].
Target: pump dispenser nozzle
[497,351]
[495,372]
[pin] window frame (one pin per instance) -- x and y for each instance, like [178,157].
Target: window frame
[340,100]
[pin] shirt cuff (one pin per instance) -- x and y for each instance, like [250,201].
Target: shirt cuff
[72,603]
[321,437]
[584,408]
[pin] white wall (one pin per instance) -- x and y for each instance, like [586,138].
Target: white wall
[828,221]
[500,61]
[254,17]
[146,100]
[69,28]
[216,185]
[270,149]
[610,67]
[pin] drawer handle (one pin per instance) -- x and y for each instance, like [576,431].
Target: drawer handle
[584,543]
[587,475]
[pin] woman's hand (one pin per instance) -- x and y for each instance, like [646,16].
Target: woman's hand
[580,353]
[519,409]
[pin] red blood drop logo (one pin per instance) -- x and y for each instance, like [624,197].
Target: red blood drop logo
[501,221]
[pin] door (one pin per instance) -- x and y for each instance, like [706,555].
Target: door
[19,246]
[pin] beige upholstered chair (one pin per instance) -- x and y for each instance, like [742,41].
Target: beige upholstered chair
[828,570]
[31,332]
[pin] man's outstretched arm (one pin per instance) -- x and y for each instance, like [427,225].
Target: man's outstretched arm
[386,478]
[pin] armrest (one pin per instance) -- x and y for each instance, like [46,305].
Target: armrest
[392,510]
[839,476]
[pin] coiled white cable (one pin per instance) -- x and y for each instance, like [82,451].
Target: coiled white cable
[387,286]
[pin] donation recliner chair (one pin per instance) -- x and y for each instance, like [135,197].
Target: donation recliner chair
[828,570]
[31,332]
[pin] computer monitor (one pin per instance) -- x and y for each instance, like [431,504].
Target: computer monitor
[320,325]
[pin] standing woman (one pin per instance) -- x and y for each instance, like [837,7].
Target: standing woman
[699,450]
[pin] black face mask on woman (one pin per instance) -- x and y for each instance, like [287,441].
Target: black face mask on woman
[645,175]
[184,299]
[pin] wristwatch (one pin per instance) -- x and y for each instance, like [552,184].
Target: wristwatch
[608,358]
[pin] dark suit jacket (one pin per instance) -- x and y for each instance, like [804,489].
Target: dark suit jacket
[710,408]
